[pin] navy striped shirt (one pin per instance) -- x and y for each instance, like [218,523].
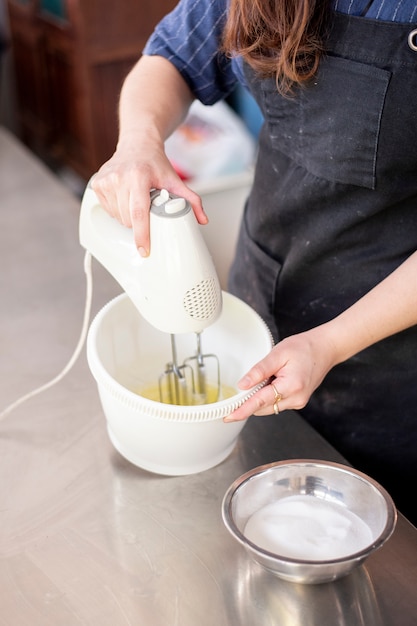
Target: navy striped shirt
[189,37]
[387,10]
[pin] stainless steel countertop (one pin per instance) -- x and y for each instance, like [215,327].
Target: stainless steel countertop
[86,538]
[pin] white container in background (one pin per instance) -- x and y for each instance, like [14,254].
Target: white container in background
[224,199]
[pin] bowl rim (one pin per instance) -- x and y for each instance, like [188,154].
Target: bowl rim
[231,526]
[152,408]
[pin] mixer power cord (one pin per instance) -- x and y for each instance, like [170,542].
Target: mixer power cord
[77,351]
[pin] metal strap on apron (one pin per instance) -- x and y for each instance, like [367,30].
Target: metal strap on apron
[412,37]
[412,40]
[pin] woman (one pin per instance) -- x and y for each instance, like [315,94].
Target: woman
[327,249]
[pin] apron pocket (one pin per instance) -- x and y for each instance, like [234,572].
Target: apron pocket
[253,278]
[331,127]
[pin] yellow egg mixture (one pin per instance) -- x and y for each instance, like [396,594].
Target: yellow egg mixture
[212,394]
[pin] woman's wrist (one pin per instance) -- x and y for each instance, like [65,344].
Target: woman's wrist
[339,340]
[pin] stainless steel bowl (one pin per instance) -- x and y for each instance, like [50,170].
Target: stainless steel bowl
[332,483]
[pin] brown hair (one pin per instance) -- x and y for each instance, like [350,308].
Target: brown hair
[281,38]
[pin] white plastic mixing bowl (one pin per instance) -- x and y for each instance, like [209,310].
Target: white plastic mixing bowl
[126,354]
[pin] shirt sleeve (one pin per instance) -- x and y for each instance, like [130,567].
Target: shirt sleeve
[189,37]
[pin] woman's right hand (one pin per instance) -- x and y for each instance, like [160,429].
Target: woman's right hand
[139,163]
[123,184]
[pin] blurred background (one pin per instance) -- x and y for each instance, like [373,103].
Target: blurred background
[62,63]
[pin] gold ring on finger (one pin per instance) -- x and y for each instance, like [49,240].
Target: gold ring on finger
[278,397]
[277,394]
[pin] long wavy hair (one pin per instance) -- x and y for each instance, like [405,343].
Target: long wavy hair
[281,38]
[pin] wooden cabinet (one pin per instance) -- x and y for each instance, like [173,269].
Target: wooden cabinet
[71,57]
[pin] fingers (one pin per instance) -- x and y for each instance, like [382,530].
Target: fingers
[277,398]
[270,399]
[139,206]
[267,368]
[138,209]
[124,198]
[294,368]
[124,192]
[194,200]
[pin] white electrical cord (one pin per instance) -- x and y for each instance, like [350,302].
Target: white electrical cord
[77,351]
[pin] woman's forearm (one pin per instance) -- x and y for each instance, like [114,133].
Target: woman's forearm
[387,309]
[154,100]
[154,97]
[300,363]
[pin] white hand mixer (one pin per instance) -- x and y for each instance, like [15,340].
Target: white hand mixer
[175,288]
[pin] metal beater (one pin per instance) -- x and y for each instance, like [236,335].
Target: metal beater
[195,381]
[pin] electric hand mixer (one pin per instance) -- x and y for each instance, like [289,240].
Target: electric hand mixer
[175,288]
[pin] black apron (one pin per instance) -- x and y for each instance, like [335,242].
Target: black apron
[333,210]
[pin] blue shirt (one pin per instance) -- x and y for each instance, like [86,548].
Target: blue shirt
[189,37]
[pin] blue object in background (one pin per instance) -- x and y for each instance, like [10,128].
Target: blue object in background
[246,107]
[54,7]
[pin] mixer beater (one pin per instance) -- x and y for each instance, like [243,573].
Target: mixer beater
[195,381]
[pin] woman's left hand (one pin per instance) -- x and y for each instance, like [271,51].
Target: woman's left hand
[295,367]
